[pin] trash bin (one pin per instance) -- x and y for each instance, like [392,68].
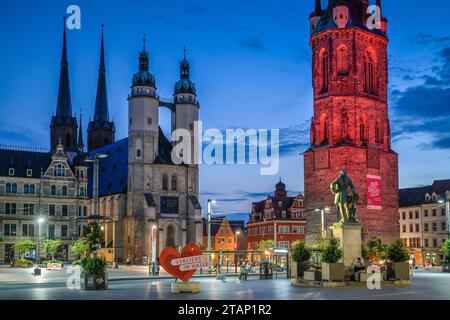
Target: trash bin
[265,270]
[36,271]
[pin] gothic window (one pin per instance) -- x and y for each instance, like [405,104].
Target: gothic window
[324,129]
[174,183]
[170,239]
[369,73]
[324,67]
[342,60]
[165,182]
[379,131]
[53,190]
[64,190]
[364,129]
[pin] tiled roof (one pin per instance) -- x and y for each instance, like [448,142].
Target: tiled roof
[236,225]
[23,160]
[416,196]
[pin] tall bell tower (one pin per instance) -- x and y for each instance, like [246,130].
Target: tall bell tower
[350,127]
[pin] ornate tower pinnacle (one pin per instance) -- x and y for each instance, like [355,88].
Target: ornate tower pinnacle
[101,131]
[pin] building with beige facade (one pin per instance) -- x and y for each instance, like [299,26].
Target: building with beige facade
[424,221]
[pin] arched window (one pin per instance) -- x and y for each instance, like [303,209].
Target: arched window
[68,140]
[81,191]
[364,129]
[14,188]
[174,183]
[26,188]
[53,190]
[64,190]
[369,73]
[342,60]
[170,239]
[8,188]
[165,182]
[32,189]
[324,67]
[324,129]
[379,136]
[59,171]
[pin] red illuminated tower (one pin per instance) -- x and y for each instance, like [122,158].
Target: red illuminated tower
[350,128]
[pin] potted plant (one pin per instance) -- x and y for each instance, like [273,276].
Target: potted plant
[300,257]
[51,247]
[446,252]
[93,266]
[374,249]
[79,250]
[399,256]
[332,270]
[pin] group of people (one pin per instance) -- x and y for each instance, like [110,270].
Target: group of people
[245,269]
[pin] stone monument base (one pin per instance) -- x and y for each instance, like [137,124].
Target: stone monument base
[350,239]
[185,287]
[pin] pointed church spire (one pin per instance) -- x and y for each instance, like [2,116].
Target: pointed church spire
[80,136]
[64,104]
[318,8]
[101,113]
[184,67]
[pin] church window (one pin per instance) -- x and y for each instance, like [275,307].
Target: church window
[174,183]
[369,73]
[324,129]
[342,60]
[170,239]
[363,129]
[324,66]
[138,153]
[165,183]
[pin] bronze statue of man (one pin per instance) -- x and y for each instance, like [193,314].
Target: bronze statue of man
[345,202]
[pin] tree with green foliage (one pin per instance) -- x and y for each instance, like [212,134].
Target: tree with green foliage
[364,251]
[332,253]
[22,246]
[375,248]
[266,245]
[397,251]
[79,248]
[301,252]
[446,251]
[94,238]
[51,247]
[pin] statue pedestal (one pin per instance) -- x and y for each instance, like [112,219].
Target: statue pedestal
[350,240]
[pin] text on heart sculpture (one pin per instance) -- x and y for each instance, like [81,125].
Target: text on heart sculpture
[183,265]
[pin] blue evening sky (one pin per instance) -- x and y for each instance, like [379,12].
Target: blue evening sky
[251,62]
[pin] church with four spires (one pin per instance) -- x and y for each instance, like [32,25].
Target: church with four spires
[147,202]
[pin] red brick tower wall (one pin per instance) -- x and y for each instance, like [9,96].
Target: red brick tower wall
[350,128]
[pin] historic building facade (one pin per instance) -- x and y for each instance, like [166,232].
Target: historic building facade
[350,127]
[147,197]
[279,218]
[424,221]
[43,195]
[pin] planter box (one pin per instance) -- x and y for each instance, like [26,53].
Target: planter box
[401,270]
[94,282]
[333,272]
[313,275]
[54,266]
[298,269]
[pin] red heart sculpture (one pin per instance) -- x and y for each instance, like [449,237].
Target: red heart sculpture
[169,254]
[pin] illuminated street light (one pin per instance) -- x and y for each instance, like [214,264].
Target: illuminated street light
[210,201]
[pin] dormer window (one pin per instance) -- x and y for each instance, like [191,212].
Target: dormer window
[11,171]
[29,172]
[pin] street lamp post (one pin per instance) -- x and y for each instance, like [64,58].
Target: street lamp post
[210,202]
[154,266]
[40,221]
[322,219]
[95,160]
